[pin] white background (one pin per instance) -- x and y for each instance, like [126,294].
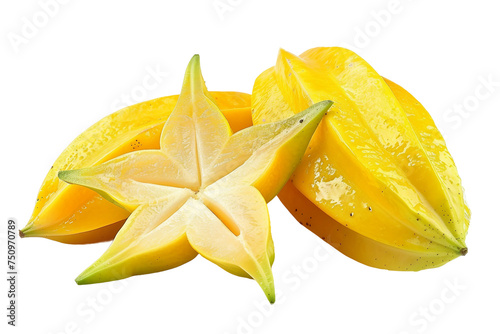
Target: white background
[73,71]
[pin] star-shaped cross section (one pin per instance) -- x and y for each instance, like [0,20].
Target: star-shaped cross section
[204,192]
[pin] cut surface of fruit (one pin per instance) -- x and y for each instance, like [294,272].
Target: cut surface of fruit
[78,215]
[204,191]
[377,174]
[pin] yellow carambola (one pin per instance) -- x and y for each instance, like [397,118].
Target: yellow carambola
[77,215]
[204,191]
[377,181]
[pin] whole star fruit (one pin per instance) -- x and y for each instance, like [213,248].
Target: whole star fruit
[203,192]
[377,181]
[78,215]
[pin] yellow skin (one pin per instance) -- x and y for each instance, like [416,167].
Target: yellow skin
[377,181]
[203,192]
[77,215]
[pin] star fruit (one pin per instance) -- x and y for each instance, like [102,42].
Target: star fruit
[77,215]
[377,182]
[203,192]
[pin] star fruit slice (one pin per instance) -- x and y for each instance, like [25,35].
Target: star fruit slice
[203,192]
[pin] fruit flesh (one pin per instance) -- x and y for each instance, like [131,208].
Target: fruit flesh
[75,214]
[201,192]
[376,164]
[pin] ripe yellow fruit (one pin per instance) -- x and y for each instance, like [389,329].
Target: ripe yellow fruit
[77,215]
[204,191]
[377,181]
